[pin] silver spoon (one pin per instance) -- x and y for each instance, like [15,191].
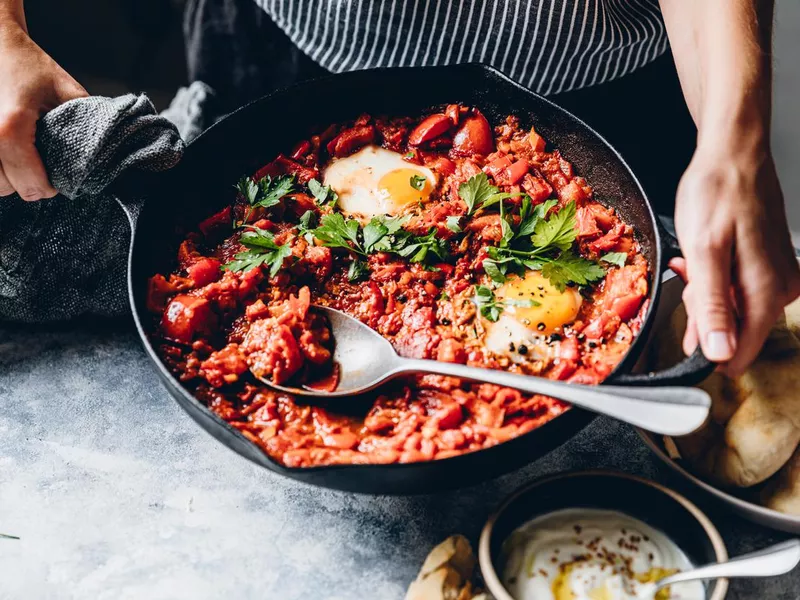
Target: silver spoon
[774,560]
[366,360]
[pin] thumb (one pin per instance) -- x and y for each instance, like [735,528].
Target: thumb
[710,305]
[66,89]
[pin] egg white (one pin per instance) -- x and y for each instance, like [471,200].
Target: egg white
[375,181]
[530,326]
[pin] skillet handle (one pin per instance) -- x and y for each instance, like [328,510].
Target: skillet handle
[692,369]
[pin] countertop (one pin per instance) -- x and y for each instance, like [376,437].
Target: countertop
[115,493]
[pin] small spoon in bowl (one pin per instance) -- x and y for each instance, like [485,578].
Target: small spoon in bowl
[774,560]
[366,359]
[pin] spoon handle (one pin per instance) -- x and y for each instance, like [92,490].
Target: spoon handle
[664,410]
[774,560]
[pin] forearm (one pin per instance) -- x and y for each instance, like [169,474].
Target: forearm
[722,53]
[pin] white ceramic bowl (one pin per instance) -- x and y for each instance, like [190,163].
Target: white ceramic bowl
[650,502]
[670,300]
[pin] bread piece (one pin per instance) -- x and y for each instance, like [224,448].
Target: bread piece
[754,425]
[446,572]
[782,492]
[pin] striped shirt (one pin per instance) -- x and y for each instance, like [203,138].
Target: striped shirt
[551,46]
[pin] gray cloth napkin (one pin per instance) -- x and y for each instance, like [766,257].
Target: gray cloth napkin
[67,256]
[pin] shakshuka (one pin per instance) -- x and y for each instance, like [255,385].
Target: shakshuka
[455,240]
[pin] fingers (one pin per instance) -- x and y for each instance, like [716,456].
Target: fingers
[69,89]
[761,294]
[709,302]
[5,186]
[22,167]
[690,341]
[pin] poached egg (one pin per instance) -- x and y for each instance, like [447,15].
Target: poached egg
[375,181]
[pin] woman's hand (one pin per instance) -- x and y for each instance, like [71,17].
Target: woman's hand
[32,84]
[739,259]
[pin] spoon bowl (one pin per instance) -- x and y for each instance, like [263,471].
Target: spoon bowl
[767,562]
[366,360]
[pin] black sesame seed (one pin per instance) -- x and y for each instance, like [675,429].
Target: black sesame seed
[554,337]
[592,344]
[511,346]
[402,298]
[446,321]
[523,349]
[581,337]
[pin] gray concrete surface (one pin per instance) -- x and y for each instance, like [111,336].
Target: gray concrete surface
[115,493]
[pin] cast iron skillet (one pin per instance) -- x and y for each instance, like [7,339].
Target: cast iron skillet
[255,134]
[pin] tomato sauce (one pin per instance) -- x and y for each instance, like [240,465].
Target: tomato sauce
[214,323]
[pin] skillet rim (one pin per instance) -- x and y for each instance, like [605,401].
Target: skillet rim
[574,419]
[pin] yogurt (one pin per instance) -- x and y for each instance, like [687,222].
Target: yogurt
[589,554]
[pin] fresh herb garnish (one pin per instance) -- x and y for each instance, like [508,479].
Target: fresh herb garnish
[541,243]
[308,221]
[570,268]
[335,231]
[558,231]
[421,248]
[358,269]
[615,258]
[477,193]
[491,308]
[261,250]
[417,182]
[381,234]
[323,194]
[454,223]
[265,193]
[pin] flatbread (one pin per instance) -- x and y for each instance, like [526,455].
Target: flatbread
[782,492]
[446,572]
[754,426]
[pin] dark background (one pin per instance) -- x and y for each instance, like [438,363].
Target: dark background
[114,46]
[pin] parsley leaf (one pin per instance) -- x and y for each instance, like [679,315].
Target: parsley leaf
[558,231]
[265,193]
[249,189]
[385,234]
[381,234]
[358,269]
[323,194]
[424,247]
[491,308]
[273,190]
[507,231]
[374,232]
[529,218]
[541,243]
[308,221]
[477,193]
[454,223]
[571,268]
[306,225]
[615,258]
[418,182]
[261,250]
[336,232]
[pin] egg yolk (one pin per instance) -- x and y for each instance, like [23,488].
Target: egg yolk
[550,309]
[397,187]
